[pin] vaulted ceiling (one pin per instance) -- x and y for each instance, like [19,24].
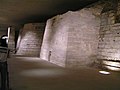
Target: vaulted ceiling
[25,11]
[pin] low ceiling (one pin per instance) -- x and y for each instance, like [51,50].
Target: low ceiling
[25,11]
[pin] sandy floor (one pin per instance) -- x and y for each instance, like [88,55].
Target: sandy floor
[34,74]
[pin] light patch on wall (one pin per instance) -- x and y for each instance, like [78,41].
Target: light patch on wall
[8,34]
[30,34]
[111,63]
[113,68]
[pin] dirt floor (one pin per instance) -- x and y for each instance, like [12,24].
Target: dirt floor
[28,73]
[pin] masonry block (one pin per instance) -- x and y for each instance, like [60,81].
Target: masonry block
[30,39]
[71,40]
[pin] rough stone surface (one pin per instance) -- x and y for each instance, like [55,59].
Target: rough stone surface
[30,39]
[54,45]
[109,40]
[82,39]
[109,37]
[11,43]
[71,39]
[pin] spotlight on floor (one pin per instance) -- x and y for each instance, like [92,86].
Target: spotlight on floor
[43,73]
[104,72]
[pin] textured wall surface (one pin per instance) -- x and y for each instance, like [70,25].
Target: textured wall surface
[11,43]
[82,38]
[71,39]
[30,39]
[109,40]
[55,40]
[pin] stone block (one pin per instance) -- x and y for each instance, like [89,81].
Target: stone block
[31,39]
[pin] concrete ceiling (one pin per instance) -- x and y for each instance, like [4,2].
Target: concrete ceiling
[25,11]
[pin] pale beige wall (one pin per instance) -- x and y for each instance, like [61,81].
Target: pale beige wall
[55,40]
[30,39]
[72,37]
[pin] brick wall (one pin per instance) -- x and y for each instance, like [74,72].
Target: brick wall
[82,39]
[11,43]
[109,36]
[109,39]
[71,39]
[30,39]
[55,40]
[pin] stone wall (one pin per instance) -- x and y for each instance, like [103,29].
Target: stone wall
[109,34]
[11,43]
[55,40]
[30,39]
[82,38]
[71,39]
[109,40]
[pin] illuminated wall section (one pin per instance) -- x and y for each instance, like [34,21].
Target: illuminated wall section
[11,42]
[30,39]
[109,40]
[83,38]
[54,44]
[71,39]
